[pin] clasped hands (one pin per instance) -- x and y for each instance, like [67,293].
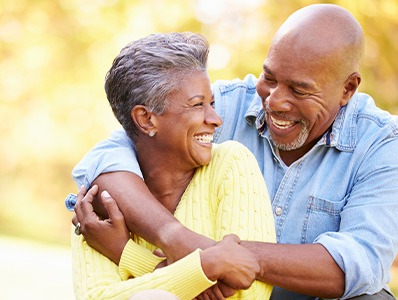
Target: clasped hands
[227,261]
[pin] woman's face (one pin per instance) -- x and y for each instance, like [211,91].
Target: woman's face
[185,130]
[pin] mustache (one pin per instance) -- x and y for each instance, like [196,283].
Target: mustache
[283,115]
[279,114]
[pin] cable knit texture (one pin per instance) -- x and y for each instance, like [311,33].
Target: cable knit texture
[227,196]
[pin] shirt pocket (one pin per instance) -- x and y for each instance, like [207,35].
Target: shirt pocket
[322,216]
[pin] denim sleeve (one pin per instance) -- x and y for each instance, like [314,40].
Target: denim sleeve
[113,154]
[367,242]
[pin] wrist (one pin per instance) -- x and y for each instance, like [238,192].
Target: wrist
[118,252]
[212,262]
[209,268]
[178,241]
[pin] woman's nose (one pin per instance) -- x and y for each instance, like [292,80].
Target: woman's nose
[211,117]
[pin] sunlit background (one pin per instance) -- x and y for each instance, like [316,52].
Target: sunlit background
[53,58]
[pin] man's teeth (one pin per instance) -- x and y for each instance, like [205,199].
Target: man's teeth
[206,138]
[281,124]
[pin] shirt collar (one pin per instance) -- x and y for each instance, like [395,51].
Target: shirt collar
[255,110]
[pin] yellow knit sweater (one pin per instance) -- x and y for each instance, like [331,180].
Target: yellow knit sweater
[226,196]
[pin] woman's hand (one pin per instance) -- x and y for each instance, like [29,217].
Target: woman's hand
[219,291]
[231,263]
[108,236]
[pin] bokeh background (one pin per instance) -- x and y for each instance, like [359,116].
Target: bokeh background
[53,58]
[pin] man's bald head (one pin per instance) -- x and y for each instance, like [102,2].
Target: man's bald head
[321,31]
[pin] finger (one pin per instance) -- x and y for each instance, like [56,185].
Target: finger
[225,289]
[209,293]
[217,293]
[204,295]
[159,253]
[231,238]
[84,209]
[89,196]
[81,193]
[74,219]
[79,197]
[87,201]
[111,207]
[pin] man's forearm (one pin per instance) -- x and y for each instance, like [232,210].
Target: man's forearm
[146,217]
[306,269]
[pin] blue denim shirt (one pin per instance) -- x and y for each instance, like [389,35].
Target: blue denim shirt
[342,194]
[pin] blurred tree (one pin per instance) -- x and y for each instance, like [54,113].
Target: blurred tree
[54,56]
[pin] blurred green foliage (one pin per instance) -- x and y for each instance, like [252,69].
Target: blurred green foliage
[54,56]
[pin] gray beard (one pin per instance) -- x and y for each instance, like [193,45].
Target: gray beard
[300,140]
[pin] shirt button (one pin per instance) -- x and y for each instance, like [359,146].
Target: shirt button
[278,210]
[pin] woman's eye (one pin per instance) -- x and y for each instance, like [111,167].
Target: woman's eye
[213,104]
[198,104]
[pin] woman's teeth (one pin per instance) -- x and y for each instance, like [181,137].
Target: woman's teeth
[207,138]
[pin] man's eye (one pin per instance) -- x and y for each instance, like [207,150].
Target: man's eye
[213,104]
[266,78]
[299,93]
[198,104]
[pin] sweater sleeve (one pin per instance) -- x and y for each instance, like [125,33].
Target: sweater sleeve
[96,277]
[137,261]
[244,206]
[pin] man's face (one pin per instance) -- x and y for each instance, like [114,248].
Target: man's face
[301,96]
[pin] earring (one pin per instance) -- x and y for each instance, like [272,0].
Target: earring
[151,133]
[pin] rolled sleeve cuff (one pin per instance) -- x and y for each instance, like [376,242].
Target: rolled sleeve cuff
[137,261]
[111,155]
[187,280]
[353,261]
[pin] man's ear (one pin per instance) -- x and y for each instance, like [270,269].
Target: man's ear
[350,86]
[143,119]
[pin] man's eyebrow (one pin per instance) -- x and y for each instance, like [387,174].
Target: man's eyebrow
[266,69]
[300,84]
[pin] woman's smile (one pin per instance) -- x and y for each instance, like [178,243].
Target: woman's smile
[204,139]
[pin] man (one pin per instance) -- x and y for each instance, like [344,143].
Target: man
[327,154]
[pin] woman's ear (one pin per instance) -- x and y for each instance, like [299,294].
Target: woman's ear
[143,119]
[350,86]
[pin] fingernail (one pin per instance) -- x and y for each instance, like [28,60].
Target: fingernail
[106,194]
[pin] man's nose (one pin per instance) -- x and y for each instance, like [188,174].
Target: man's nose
[278,99]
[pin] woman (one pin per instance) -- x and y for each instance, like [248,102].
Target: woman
[159,90]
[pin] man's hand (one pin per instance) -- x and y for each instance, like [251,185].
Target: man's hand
[108,236]
[231,263]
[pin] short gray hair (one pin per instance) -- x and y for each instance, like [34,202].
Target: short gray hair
[147,70]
